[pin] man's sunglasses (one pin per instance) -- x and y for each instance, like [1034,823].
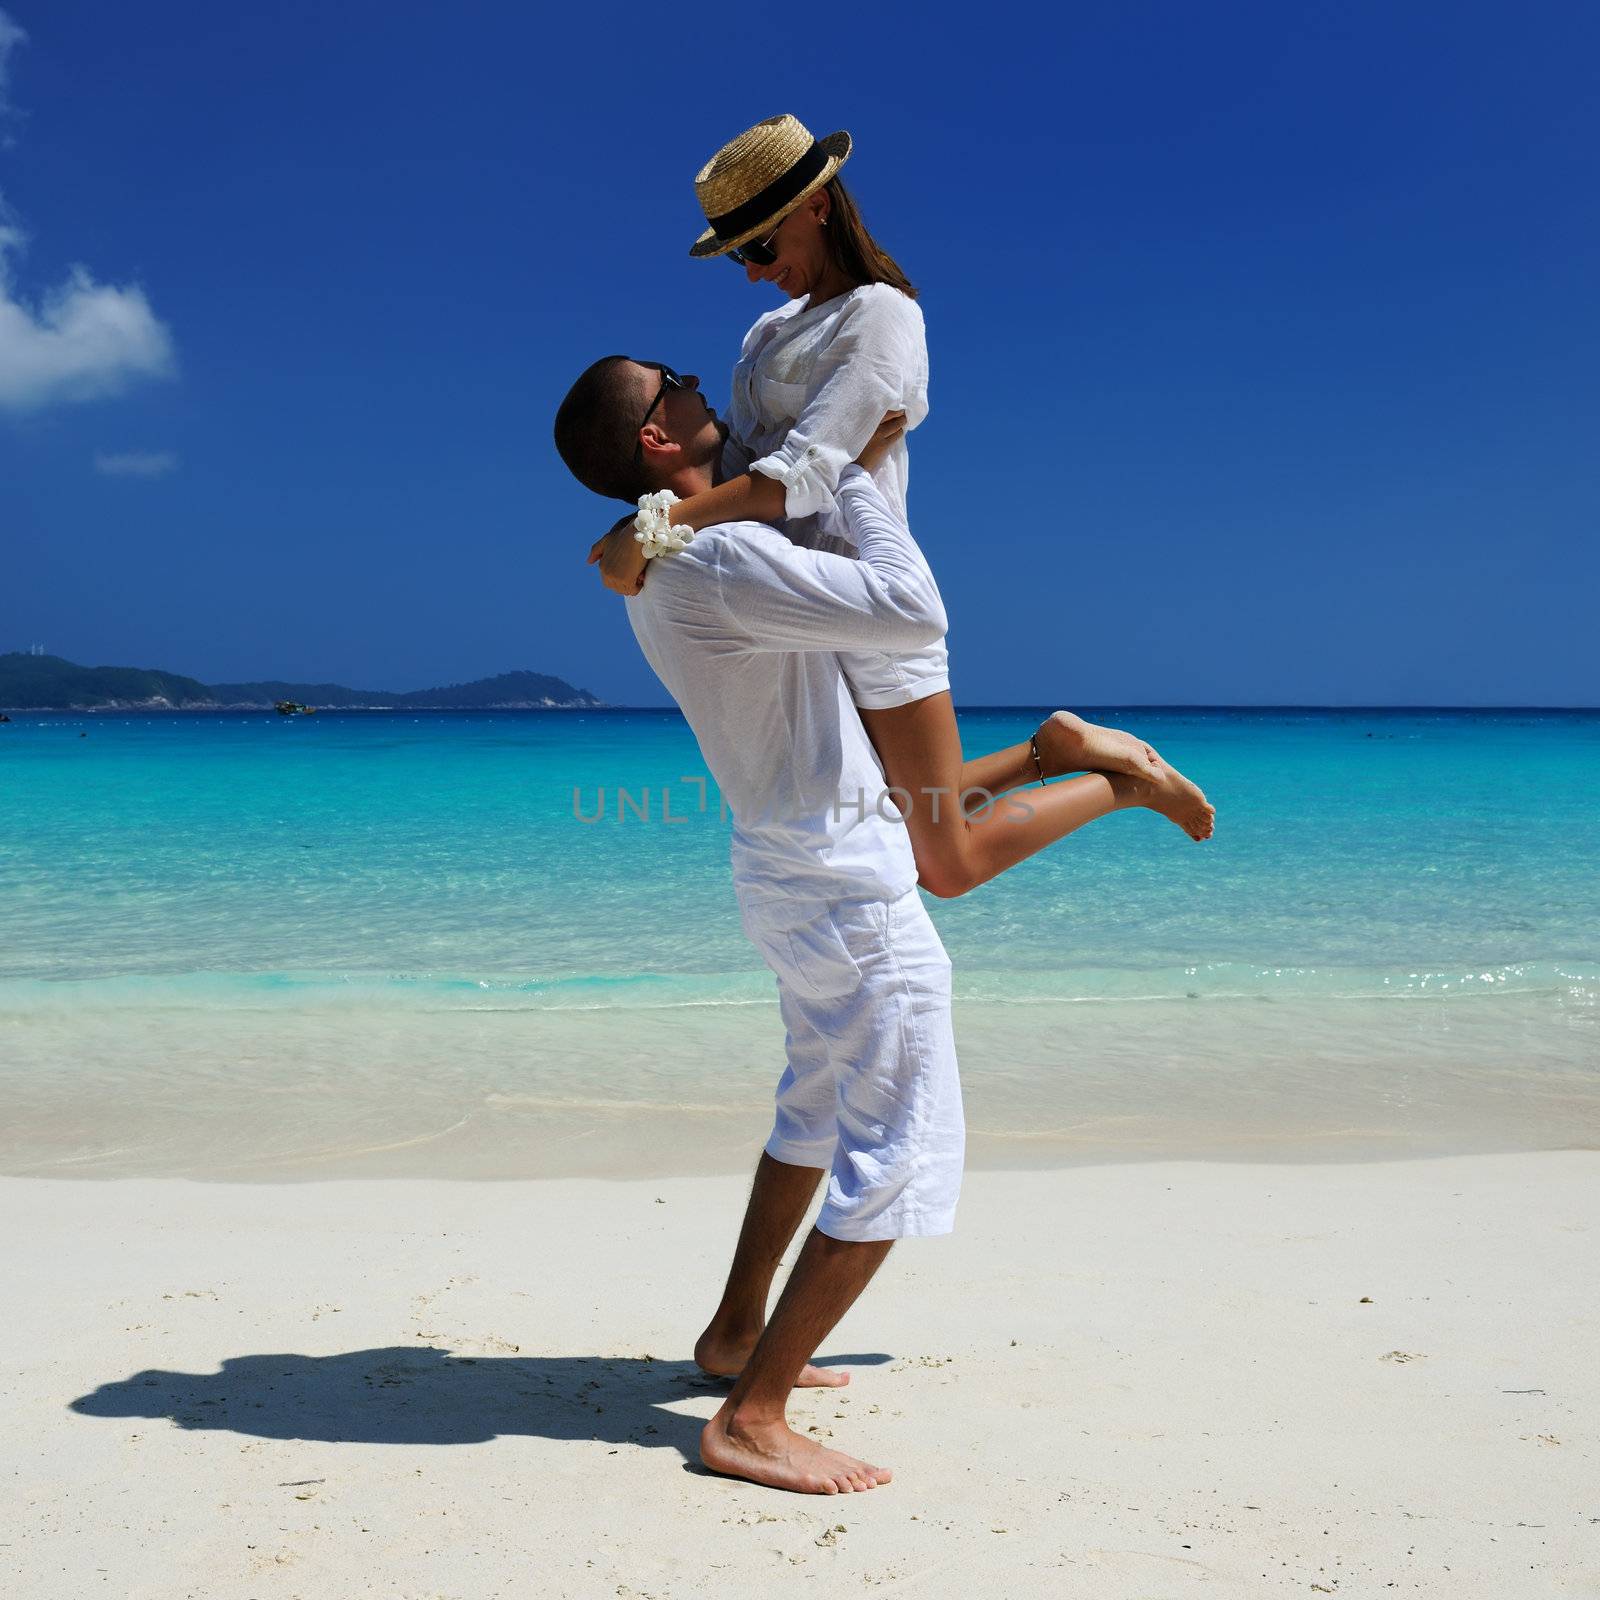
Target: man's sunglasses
[756,255]
[669,380]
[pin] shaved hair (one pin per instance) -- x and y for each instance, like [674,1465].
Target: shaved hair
[597,430]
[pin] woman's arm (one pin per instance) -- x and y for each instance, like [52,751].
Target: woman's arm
[751,497]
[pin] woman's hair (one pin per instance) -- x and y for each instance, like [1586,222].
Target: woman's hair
[854,251]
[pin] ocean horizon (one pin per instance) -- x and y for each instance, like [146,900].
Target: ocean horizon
[234,944]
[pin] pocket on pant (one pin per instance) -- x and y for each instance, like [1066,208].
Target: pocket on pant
[810,955]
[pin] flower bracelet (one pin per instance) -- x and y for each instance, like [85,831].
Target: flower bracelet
[656,535]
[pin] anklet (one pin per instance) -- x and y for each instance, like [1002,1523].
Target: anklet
[1033,745]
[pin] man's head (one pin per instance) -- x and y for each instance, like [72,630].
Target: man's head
[628,427]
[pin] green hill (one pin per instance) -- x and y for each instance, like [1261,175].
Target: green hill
[510,690]
[49,683]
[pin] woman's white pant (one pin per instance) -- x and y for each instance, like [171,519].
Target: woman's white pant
[871,1091]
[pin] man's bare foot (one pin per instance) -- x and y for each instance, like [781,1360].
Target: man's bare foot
[774,1454]
[725,1358]
[1069,744]
[1176,798]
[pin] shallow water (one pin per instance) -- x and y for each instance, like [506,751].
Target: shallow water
[252,946]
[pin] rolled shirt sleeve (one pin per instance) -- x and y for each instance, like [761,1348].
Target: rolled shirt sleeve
[876,361]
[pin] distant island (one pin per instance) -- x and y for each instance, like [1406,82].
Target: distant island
[49,683]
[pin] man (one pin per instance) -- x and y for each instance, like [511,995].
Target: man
[745,629]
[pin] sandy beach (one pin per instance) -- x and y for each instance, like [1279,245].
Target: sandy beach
[1089,698]
[1126,1382]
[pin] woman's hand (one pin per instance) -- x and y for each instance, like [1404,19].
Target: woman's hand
[622,561]
[891,428]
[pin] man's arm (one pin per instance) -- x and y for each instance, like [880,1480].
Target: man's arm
[783,597]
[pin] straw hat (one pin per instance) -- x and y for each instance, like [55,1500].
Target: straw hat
[752,184]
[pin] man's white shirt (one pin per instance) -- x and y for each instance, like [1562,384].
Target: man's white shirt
[745,629]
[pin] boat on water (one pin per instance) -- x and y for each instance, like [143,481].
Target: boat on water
[293,708]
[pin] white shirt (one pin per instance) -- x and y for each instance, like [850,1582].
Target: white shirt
[742,627]
[809,389]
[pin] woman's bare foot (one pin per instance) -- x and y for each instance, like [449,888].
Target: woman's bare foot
[1167,791]
[724,1357]
[774,1454]
[1069,744]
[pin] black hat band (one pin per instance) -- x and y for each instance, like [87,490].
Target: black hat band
[774,197]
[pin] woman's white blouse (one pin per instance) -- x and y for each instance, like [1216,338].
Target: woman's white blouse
[809,389]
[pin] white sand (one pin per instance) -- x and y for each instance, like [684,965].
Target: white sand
[1132,1381]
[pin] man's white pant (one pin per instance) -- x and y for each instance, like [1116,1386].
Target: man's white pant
[871,1090]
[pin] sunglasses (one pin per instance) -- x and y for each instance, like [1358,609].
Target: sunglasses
[756,255]
[669,380]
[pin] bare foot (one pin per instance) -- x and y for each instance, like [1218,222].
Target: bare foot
[1069,744]
[725,1358]
[774,1454]
[1176,798]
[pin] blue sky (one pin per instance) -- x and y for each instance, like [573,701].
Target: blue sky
[1263,337]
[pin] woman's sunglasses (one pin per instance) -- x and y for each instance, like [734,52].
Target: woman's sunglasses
[756,255]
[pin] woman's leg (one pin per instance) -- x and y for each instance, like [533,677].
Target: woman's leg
[961,840]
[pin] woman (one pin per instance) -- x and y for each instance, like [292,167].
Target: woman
[814,381]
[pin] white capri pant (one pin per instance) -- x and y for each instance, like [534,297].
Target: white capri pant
[871,1091]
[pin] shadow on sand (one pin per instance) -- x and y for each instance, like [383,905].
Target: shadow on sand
[425,1395]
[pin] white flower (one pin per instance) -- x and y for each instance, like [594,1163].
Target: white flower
[656,535]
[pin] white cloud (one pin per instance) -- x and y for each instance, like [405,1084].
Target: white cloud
[136,463]
[82,340]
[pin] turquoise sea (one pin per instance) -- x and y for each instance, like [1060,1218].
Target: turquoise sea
[247,946]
